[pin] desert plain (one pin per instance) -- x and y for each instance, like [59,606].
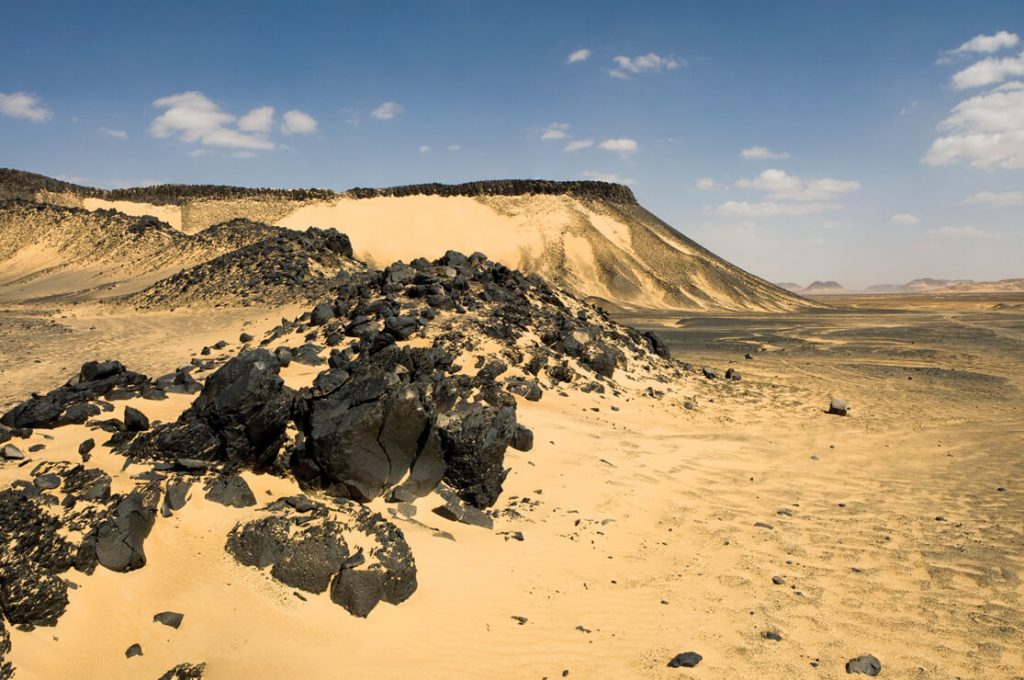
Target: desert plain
[670,509]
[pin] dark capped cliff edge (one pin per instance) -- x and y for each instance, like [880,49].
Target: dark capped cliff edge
[592,238]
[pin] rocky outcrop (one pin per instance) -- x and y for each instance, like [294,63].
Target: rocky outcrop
[71,403]
[288,266]
[605,191]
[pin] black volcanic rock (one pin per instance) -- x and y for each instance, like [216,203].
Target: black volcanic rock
[185,671]
[230,490]
[135,420]
[68,404]
[866,665]
[33,554]
[685,660]
[6,669]
[118,542]
[239,417]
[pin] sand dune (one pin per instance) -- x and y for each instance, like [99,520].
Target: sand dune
[589,237]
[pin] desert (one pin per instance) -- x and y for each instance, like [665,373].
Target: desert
[674,492]
[512,341]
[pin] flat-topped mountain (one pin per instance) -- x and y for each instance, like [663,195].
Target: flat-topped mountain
[591,238]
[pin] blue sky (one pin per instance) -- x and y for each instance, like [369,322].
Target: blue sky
[868,158]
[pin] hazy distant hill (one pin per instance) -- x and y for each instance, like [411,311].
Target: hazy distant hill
[950,287]
[590,237]
[824,288]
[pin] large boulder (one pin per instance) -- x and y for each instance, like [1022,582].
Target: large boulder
[239,417]
[474,437]
[118,542]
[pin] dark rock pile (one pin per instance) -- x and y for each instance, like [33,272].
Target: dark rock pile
[304,544]
[70,404]
[419,368]
[285,267]
[618,193]
[396,420]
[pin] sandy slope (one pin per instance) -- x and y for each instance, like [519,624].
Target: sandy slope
[596,240]
[640,528]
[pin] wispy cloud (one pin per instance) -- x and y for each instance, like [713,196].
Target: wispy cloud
[613,177]
[258,120]
[555,131]
[757,209]
[386,111]
[116,134]
[297,122]
[579,145]
[706,184]
[623,145]
[985,44]
[425,148]
[989,72]
[997,198]
[969,232]
[905,219]
[986,130]
[25,106]
[626,67]
[193,118]
[761,153]
[454,147]
[779,185]
[578,56]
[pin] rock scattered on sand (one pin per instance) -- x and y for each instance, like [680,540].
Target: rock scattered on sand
[135,420]
[118,542]
[170,619]
[837,407]
[230,490]
[134,650]
[685,660]
[771,635]
[867,665]
[185,671]
[86,447]
[12,452]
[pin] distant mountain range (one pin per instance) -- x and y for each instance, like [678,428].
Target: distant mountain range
[921,286]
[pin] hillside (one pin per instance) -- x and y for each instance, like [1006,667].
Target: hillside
[592,238]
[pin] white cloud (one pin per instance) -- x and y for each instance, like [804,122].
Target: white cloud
[615,178]
[23,105]
[117,134]
[644,63]
[706,184]
[243,155]
[193,118]
[968,233]
[989,72]
[986,130]
[454,147]
[258,120]
[989,43]
[905,218]
[579,145]
[780,186]
[297,122]
[386,111]
[761,153]
[770,209]
[555,131]
[577,56]
[424,148]
[622,145]
[1000,198]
